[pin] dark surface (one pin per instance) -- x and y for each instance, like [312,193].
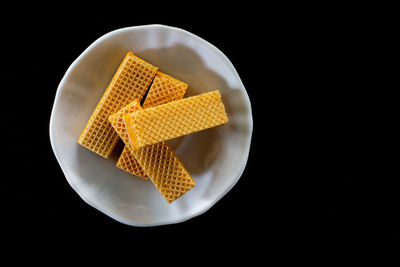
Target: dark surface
[309,177]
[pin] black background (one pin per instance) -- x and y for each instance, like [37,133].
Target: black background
[309,178]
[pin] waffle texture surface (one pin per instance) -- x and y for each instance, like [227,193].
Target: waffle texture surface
[160,164]
[130,82]
[174,119]
[165,170]
[128,163]
[117,119]
[164,89]
[126,160]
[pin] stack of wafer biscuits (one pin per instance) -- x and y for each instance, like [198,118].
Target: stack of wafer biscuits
[164,115]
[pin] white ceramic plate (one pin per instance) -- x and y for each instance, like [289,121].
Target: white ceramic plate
[215,158]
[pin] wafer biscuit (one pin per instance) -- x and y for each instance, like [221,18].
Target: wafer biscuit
[117,119]
[130,82]
[174,119]
[165,170]
[164,89]
[128,163]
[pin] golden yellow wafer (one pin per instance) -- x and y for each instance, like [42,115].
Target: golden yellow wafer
[164,89]
[128,163]
[163,168]
[117,119]
[130,82]
[126,160]
[156,124]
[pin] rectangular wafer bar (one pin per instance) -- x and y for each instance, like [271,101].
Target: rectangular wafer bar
[164,169]
[174,119]
[126,161]
[164,89]
[130,82]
